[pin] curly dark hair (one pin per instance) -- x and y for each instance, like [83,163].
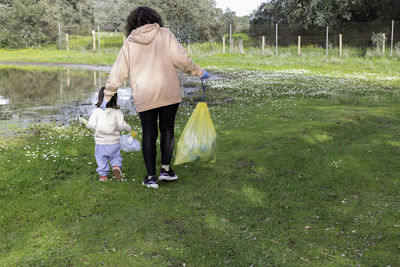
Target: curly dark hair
[111,104]
[141,16]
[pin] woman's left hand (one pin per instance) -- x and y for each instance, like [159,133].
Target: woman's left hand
[103,105]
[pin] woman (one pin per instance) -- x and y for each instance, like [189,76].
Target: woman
[149,56]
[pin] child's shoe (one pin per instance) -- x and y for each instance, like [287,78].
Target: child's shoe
[103,179]
[117,173]
[167,175]
[150,183]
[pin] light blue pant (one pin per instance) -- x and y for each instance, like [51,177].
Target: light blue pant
[105,154]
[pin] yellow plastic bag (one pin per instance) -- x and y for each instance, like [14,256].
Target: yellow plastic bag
[198,139]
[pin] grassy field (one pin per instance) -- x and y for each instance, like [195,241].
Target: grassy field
[315,64]
[81,52]
[306,174]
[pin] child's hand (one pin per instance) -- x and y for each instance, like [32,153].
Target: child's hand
[133,134]
[84,121]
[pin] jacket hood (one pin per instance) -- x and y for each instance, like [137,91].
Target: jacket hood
[144,34]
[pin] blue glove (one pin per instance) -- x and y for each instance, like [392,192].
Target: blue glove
[103,105]
[205,75]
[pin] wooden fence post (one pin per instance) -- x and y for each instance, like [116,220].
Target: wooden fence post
[340,45]
[59,36]
[230,39]
[391,40]
[327,40]
[68,81]
[223,45]
[276,39]
[94,41]
[262,44]
[67,41]
[383,44]
[299,45]
[98,31]
[241,46]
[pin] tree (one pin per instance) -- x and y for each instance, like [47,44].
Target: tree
[111,15]
[189,20]
[75,16]
[229,18]
[308,13]
[27,23]
[35,22]
[371,10]
[303,13]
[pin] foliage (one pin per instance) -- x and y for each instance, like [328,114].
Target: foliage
[242,36]
[397,47]
[75,16]
[111,15]
[378,39]
[300,14]
[191,21]
[27,23]
[366,10]
[35,22]
[228,20]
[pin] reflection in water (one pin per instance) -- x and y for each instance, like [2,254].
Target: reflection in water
[4,101]
[61,95]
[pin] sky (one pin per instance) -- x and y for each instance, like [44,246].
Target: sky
[241,7]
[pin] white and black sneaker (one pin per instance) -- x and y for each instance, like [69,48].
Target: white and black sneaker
[150,183]
[167,175]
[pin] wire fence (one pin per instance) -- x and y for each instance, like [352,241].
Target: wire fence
[349,39]
[358,34]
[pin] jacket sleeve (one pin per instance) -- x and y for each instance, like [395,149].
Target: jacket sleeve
[180,58]
[92,123]
[122,125]
[119,72]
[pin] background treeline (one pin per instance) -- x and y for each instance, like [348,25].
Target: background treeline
[32,23]
[357,19]
[26,23]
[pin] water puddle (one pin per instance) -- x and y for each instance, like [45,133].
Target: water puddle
[60,93]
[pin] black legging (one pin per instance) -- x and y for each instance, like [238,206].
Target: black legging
[148,119]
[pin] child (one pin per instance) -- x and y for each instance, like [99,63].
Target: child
[107,122]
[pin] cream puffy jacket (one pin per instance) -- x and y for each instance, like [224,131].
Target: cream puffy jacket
[149,56]
[107,125]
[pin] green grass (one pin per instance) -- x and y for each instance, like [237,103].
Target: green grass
[306,174]
[85,43]
[315,62]
[51,55]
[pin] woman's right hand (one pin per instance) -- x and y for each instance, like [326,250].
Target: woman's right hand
[205,75]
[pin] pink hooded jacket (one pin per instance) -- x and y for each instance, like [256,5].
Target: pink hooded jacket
[149,56]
